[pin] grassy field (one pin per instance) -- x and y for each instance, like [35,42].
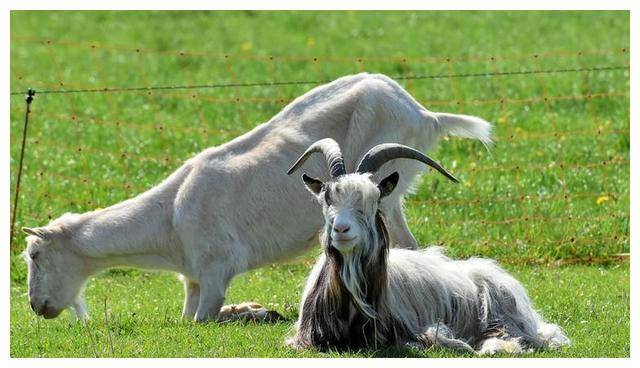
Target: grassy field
[143,316]
[550,200]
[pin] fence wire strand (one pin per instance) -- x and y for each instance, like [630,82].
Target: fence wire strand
[235,85]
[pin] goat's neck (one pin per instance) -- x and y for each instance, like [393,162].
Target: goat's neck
[137,233]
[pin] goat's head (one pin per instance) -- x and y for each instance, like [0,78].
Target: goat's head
[56,274]
[351,202]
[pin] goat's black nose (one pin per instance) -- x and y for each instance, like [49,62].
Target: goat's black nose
[341,228]
[39,309]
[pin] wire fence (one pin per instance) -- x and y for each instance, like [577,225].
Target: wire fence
[92,142]
[317,82]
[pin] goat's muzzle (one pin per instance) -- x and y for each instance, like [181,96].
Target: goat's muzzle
[45,309]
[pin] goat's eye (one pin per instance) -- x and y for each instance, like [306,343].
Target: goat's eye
[34,255]
[327,197]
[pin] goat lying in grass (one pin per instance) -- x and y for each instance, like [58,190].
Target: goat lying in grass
[361,294]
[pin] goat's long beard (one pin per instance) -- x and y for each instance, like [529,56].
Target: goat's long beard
[347,306]
[363,272]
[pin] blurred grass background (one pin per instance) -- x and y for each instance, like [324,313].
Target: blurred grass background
[553,190]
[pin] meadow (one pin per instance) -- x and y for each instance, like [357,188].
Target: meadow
[549,200]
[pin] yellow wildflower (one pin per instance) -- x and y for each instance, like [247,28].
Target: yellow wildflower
[311,42]
[602,199]
[246,46]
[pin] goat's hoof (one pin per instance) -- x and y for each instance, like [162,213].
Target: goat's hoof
[249,311]
[414,345]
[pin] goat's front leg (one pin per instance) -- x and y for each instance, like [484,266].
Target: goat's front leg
[213,286]
[401,236]
[191,298]
[80,307]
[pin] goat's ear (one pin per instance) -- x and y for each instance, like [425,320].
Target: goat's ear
[388,184]
[314,185]
[40,232]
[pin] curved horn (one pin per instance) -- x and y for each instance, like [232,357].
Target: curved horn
[378,155]
[331,151]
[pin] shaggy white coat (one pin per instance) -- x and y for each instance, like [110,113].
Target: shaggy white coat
[438,297]
[410,297]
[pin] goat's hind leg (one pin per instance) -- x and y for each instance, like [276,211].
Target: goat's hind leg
[497,340]
[439,334]
[504,345]
[401,236]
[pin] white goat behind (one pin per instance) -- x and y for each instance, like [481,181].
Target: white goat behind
[363,294]
[231,208]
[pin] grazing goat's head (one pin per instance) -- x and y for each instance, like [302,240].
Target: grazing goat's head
[56,274]
[351,202]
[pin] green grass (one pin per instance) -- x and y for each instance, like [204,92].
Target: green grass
[143,310]
[554,188]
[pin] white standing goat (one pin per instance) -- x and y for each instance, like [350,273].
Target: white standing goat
[361,294]
[231,208]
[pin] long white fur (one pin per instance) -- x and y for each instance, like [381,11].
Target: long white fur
[232,208]
[435,281]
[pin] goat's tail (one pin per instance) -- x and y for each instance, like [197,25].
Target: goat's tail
[465,126]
